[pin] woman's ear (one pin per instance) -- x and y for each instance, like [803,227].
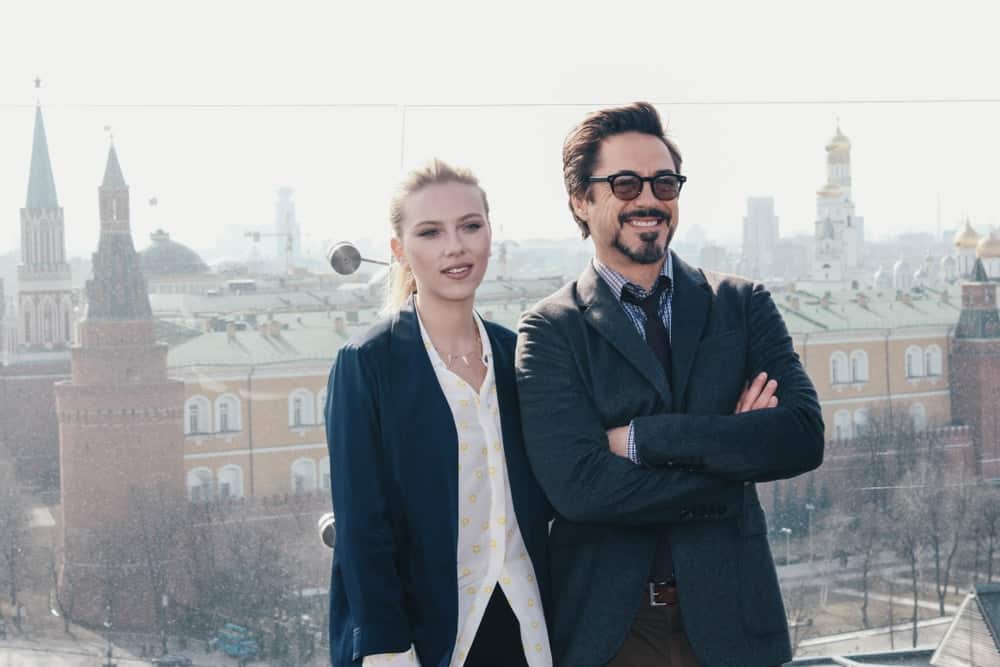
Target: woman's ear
[397,250]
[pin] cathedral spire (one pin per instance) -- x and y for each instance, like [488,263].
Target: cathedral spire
[118,289]
[113,177]
[41,184]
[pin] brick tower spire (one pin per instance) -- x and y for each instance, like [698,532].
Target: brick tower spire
[120,436]
[975,369]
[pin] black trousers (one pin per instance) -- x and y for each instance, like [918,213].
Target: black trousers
[498,639]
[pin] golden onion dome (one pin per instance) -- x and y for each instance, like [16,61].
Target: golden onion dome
[839,142]
[829,190]
[988,246]
[967,238]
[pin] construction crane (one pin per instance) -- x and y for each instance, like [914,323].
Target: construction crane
[289,246]
[502,270]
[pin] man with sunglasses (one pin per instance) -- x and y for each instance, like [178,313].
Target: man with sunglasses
[654,396]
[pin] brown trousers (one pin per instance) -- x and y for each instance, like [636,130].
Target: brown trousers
[656,639]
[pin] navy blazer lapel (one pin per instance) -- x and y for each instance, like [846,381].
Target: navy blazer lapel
[692,301]
[423,418]
[510,422]
[605,314]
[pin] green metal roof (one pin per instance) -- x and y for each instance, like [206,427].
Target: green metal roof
[113,177]
[41,183]
[247,348]
[866,310]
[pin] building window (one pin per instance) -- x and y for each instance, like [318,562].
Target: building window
[860,422]
[918,417]
[301,408]
[914,362]
[859,366]
[198,413]
[47,323]
[199,482]
[227,413]
[842,425]
[324,473]
[932,360]
[303,476]
[321,406]
[231,482]
[838,368]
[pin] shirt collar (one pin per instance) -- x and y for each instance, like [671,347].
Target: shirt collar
[436,359]
[617,281]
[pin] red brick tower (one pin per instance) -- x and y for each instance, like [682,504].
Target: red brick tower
[975,369]
[121,440]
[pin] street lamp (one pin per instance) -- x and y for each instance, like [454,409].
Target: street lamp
[788,534]
[107,625]
[809,510]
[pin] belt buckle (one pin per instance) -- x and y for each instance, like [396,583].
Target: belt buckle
[653,594]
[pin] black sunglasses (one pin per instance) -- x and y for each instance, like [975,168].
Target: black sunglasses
[627,185]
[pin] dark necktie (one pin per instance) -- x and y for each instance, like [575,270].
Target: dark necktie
[658,339]
[657,336]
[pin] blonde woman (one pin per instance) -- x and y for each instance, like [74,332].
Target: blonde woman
[441,555]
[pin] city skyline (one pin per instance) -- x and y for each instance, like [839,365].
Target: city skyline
[212,138]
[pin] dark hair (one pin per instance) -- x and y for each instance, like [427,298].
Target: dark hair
[584,141]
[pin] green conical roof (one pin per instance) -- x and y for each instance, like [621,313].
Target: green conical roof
[41,184]
[113,172]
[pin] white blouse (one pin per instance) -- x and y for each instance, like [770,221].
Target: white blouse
[491,551]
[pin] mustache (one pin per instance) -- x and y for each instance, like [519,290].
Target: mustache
[644,213]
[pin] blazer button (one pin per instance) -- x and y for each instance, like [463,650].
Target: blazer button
[746,483]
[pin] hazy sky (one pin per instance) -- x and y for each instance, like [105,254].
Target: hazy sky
[214,105]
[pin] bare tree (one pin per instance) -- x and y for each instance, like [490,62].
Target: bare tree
[238,565]
[986,519]
[946,512]
[63,592]
[156,521]
[800,605]
[15,519]
[871,498]
[908,532]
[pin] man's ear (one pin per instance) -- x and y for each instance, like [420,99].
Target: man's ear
[579,204]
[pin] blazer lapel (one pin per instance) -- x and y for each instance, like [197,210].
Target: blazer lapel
[692,301]
[605,314]
[423,418]
[510,424]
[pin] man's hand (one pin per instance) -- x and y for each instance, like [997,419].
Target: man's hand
[758,396]
[618,441]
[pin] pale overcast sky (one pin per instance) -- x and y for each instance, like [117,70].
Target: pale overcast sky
[214,105]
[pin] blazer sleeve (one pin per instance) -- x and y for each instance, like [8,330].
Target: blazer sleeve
[757,446]
[365,548]
[568,448]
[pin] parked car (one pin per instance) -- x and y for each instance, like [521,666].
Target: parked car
[171,660]
[236,641]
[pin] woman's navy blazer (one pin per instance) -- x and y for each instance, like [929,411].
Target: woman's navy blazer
[394,475]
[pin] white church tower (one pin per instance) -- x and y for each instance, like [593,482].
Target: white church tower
[45,304]
[288,235]
[839,232]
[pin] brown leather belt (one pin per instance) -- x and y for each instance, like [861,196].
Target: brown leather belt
[660,594]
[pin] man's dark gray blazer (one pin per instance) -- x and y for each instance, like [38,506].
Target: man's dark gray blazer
[583,369]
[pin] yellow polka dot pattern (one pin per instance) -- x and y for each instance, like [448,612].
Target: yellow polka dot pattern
[491,551]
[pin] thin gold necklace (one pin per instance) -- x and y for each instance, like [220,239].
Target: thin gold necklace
[464,357]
